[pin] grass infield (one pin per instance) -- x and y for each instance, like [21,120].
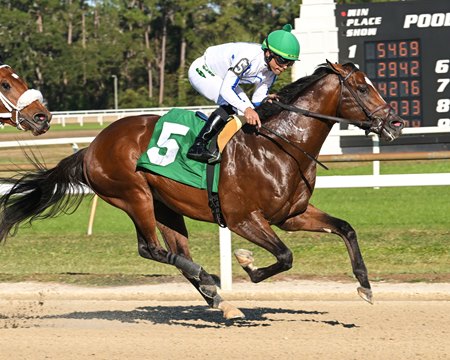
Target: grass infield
[404,234]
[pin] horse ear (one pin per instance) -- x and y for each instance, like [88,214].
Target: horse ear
[336,68]
[333,66]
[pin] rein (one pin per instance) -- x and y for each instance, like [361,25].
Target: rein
[365,125]
[308,155]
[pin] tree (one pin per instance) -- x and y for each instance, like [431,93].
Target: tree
[69,49]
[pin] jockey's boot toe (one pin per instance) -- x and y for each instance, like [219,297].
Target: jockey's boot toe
[199,152]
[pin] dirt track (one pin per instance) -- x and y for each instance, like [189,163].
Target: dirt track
[300,320]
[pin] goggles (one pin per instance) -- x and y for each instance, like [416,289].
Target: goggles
[281,61]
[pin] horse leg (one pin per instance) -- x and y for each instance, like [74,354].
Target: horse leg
[316,220]
[137,201]
[257,230]
[173,230]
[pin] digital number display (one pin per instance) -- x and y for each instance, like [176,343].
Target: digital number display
[395,69]
[403,48]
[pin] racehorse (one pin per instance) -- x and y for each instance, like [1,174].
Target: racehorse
[21,107]
[267,177]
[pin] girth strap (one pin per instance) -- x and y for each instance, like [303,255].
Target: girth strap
[213,197]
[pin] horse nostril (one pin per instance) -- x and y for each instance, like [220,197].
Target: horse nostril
[397,124]
[40,117]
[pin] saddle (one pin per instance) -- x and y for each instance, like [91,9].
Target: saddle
[233,125]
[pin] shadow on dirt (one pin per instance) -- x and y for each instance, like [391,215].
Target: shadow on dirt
[203,317]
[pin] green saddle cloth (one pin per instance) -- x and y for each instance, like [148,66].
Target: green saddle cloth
[174,134]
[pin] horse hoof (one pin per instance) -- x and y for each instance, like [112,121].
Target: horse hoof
[244,257]
[216,280]
[366,294]
[230,312]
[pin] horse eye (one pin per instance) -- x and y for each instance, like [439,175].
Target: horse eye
[5,85]
[362,88]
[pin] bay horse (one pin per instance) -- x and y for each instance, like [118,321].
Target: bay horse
[266,179]
[21,107]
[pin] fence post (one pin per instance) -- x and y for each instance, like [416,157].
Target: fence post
[92,215]
[226,273]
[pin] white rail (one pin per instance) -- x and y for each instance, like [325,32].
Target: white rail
[102,116]
[41,142]
[399,180]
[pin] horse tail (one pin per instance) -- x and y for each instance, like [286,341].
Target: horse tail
[42,193]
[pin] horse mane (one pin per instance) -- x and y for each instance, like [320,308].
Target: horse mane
[291,92]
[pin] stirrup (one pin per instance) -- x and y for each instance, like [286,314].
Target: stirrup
[214,157]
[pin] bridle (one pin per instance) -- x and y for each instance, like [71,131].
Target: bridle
[14,110]
[372,124]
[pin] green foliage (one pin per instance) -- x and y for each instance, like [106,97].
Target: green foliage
[70,49]
[138,98]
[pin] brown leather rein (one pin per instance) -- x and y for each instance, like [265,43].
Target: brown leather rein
[367,125]
[373,124]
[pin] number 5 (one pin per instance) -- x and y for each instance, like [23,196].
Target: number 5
[164,142]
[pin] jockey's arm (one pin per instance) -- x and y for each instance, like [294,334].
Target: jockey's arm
[233,95]
[262,92]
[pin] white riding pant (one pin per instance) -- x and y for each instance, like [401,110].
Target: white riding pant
[207,83]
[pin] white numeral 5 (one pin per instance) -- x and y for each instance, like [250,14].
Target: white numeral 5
[164,142]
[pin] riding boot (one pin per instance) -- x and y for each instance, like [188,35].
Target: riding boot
[199,151]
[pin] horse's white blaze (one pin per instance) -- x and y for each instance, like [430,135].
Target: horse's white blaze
[373,86]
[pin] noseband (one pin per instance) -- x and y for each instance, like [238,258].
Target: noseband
[14,110]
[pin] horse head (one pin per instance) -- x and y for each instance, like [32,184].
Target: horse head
[21,107]
[361,101]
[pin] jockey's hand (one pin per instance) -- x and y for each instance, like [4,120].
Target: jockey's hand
[271,97]
[252,117]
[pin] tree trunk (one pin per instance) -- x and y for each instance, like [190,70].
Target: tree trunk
[83,30]
[69,25]
[39,22]
[148,64]
[162,64]
[182,73]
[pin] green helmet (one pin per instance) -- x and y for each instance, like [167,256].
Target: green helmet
[283,43]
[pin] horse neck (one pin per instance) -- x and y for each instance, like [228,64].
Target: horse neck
[322,97]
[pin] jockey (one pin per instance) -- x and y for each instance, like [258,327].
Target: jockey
[219,71]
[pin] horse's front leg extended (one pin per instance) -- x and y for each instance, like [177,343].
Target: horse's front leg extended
[257,230]
[316,220]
